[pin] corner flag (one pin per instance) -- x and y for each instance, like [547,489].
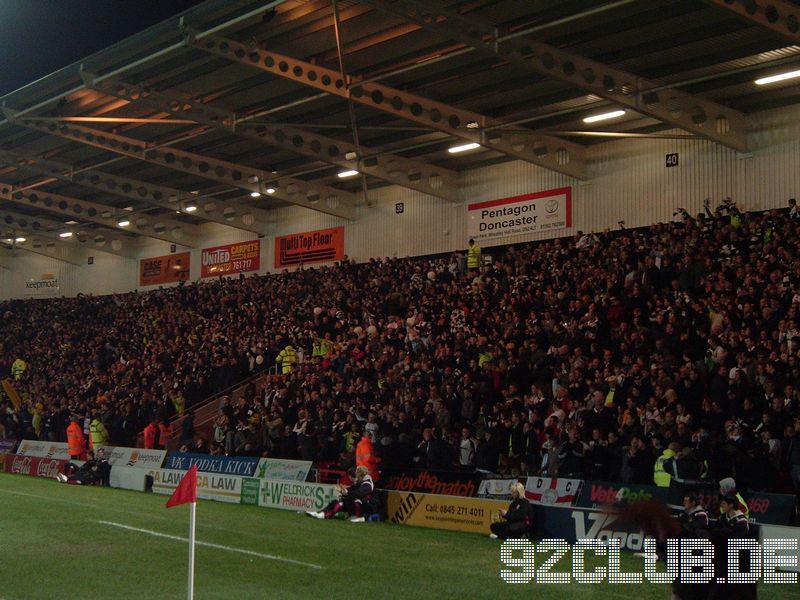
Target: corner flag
[186,490]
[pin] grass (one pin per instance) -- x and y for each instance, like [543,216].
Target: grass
[52,545]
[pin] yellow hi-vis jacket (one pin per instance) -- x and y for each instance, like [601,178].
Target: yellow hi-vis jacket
[287,359]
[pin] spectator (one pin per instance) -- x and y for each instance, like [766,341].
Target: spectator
[683,332]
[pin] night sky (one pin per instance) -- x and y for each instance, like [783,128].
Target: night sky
[38,37]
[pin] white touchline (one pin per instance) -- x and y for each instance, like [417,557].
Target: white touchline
[211,545]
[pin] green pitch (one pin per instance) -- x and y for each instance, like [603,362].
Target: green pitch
[64,541]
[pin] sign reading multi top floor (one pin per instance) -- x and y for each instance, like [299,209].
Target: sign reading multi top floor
[230,259]
[323,245]
[495,220]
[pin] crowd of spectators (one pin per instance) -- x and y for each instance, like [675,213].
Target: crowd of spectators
[584,357]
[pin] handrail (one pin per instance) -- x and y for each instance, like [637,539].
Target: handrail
[204,403]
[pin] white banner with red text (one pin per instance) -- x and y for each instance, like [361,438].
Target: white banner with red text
[32,465]
[493,221]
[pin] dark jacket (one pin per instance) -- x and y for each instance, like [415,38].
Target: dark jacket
[519,511]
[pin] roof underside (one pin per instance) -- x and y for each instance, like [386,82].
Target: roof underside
[694,46]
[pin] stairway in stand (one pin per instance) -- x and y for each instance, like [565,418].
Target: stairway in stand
[206,411]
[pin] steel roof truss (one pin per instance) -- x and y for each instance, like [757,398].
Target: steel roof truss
[672,106]
[544,150]
[395,169]
[309,195]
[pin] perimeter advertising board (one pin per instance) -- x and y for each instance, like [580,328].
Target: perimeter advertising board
[443,512]
[210,486]
[493,221]
[32,465]
[57,450]
[288,495]
[137,458]
[227,465]
[283,469]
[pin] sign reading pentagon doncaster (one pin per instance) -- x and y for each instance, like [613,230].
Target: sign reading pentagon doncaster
[442,512]
[57,450]
[45,284]
[283,469]
[495,220]
[229,465]
[210,486]
[230,259]
[164,269]
[323,245]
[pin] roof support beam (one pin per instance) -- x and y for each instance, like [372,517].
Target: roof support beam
[103,241]
[671,106]
[540,149]
[295,191]
[406,172]
[233,215]
[778,15]
[155,227]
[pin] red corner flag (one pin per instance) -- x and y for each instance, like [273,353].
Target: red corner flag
[186,490]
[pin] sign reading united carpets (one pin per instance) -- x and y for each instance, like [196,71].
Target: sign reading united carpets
[495,220]
[240,257]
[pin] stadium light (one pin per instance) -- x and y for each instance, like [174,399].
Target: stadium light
[604,117]
[780,77]
[463,148]
[346,174]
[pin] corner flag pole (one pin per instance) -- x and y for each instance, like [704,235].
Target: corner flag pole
[192,515]
[186,493]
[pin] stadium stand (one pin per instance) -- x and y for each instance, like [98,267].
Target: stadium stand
[587,357]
